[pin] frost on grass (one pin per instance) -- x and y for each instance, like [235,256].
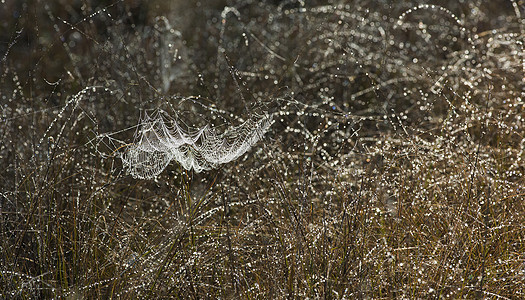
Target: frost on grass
[161,139]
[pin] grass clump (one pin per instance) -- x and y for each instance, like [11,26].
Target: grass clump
[393,167]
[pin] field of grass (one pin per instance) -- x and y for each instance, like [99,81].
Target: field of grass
[393,167]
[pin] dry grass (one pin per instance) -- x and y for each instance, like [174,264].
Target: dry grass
[394,168]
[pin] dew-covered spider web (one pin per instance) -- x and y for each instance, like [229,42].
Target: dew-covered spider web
[161,139]
[202,149]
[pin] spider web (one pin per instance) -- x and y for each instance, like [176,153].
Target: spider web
[161,139]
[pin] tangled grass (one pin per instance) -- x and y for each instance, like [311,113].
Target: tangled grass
[393,169]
